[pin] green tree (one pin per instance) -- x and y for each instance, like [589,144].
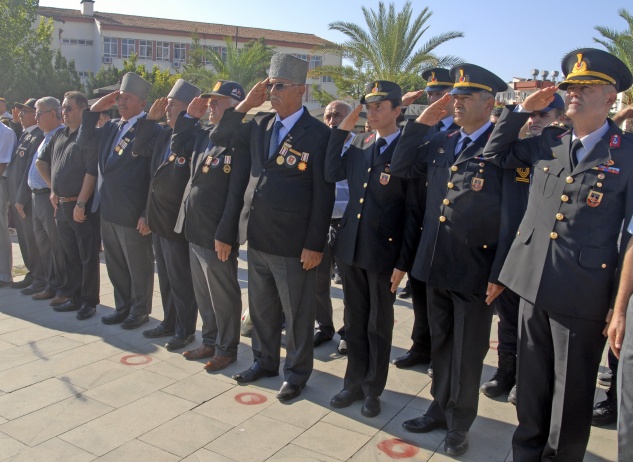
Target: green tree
[195,70]
[387,49]
[619,44]
[246,65]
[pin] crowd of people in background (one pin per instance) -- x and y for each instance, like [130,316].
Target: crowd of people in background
[524,210]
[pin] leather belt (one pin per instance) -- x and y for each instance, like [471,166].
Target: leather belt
[41,191]
[68,199]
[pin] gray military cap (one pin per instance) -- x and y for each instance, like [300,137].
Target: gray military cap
[184,91]
[286,66]
[135,84]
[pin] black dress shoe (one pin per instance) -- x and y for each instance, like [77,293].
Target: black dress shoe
[456,443]
[158,332]
[31,290]
[115,318]
[371,406]
[321,337]
[406,291]
[133,321]
[423,424]
[605,412]
[86,311]
[255,372]
[345,398]
[429,371]
[176,343]
[68,305]
[24,283]
[411,358]
[288,391]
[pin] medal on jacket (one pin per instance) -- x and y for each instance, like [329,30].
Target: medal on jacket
[291,161]
[477,184]
[283,151]
[227,164]
[614,142]
[207,162]
[384,178]
[172,157]
[181,161]
[594,198]
[21,153]
[124,142]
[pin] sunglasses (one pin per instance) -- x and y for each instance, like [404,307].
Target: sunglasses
[280,86]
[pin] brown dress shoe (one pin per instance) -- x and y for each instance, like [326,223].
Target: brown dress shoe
[203,351]
[43,295]
[58,300]
[219,362]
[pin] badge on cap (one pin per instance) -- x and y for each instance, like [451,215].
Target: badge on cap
[384,178]
[218,85]
[594,198]
[375,89]
[581,65]
[615,141]
[477,184]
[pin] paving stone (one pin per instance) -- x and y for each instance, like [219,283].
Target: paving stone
[250,442]
[293,453]
[53,450]
[137,450]
[10,447]
[326,439]
[48,422]
[227,409]
[32,351]
[176,367]
[116,428]
[29,399]
[204,455]
[199,388]
[28,335]
[186,433]
[384,447]
[300,412]
[97,374]
[129,388]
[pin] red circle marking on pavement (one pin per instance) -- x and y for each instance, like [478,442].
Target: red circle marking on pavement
[136,360]
[397,449]
[493,344]
[250,399]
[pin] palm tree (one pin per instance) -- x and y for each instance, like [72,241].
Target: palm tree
[619,44]
[246,65]
[388,48]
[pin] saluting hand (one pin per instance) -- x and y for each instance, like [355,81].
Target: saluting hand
[105,102]
[223,250]
[540,99]
[411,96]
[435,112]
[198,107]
[255,97]
[310,259]
[158,109]
[349,122]
[15,113]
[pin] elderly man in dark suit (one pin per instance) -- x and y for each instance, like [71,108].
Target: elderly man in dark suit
[467,233]
[21,207]
[209,217]
[290,209]
[121,194]
[170,174]
[565,255]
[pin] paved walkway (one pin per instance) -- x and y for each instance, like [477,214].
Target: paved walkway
[80,390]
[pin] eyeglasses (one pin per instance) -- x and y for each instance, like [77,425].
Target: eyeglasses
[280,86]
[41,113]
[68,108]
[22,111]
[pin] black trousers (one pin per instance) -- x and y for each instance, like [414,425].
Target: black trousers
[369,320]
[421,333]
[28,247]
[507,304]
[460,337]
[558,361]
[49,245]
[176,286]
[81,243]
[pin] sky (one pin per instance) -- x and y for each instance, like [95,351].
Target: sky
[507,38]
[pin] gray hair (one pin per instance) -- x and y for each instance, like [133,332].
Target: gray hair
[338,102]
[50,104]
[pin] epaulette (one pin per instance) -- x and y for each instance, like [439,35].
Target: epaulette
[369,138]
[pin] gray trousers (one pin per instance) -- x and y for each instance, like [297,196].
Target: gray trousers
[6,254]
[218,297]
[625,392]
[49,245]
[130,264]
[280,286]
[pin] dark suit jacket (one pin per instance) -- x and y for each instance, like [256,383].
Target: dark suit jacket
[168,179]
[125,177]
[214,195]
[290,202]
[463,244]
[571,272]
[18,169]
[379,229]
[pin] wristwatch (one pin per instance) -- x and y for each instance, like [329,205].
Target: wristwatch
[81,204]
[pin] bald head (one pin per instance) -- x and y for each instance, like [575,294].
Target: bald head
[335,112]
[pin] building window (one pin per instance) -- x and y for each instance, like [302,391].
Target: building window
[162,51]
[327,79]
[69,41]
[221,51]
[180,52]
[128,48]
[145,49]
[110,47]
[315,61]
[84,74]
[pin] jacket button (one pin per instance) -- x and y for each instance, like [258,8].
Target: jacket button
[446,202]
[485,246]
[518,233]
[481,170]
[361,200]
[442,218]
[364,185]
[369,169]
[559,216]
[553,235]
[604,265]
[569,180]
[546,169]
[599,185]
[358,216]
[390,239]
[564,198]
[450,185]
[454,168]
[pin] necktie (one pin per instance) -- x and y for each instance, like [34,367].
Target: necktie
[379,144]
[274,138]
[465,144]
[439,126]
[575,146]
[167,152]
